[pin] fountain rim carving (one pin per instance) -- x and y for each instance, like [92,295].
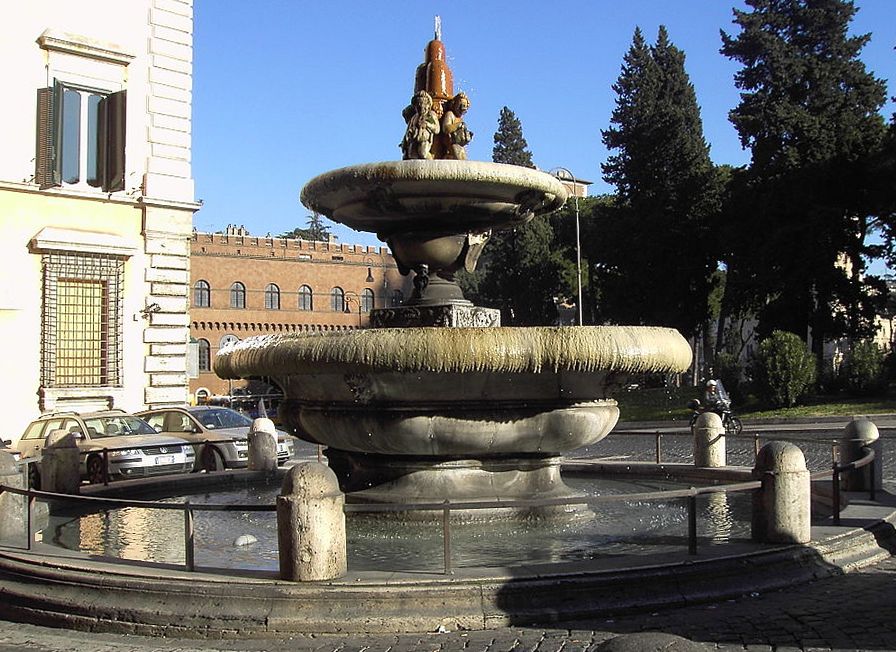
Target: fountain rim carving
[500,350]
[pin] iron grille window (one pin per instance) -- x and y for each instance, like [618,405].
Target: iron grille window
[81,331]
[237,295]
[306,298]
[205,355]
[367,300]
[337,300]
[202,294]
[271,297]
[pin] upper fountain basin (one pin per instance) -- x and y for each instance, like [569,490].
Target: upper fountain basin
[432,195]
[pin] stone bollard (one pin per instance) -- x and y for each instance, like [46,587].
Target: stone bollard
[12,506]
[709,441]
[60,463]
[263,446]
[311,524]
[859,434]
[782,506]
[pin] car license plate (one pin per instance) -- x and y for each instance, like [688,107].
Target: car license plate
[165,459]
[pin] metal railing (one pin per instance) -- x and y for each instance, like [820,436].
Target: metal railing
[446,507]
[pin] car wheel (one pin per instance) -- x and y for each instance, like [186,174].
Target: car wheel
[33,476]
[95,473]
[212,459]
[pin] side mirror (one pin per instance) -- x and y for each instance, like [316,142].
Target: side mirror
[7,442]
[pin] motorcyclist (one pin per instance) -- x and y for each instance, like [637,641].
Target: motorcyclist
[715,399]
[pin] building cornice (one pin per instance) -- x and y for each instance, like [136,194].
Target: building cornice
[56,41]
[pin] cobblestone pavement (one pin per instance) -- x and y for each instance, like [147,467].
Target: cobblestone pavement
[852,612]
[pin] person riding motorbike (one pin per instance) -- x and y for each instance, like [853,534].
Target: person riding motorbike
[716,399]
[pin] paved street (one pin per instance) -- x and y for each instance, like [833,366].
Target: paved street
[853,612]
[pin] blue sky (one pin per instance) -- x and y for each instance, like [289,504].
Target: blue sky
[286,90]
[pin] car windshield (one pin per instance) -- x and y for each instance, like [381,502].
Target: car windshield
[117,426]
[223,418]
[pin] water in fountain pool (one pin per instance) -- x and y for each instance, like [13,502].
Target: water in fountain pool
[617,528]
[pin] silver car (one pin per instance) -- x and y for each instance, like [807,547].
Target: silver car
[134,449]
[219,433]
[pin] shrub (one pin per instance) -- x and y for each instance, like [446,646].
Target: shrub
[785,369]
[864,371]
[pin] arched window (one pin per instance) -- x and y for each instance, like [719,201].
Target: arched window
[397,298]
[205,355]
[237,295]
[306,298]
[271,297]
[202,295]
[337,300]
[367,300]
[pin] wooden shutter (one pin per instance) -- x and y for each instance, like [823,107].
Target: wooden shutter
[48,162]
[113,124]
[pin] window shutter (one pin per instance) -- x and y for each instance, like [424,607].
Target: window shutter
[48,163]
[112,118]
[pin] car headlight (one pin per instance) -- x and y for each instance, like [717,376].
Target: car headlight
[131,452]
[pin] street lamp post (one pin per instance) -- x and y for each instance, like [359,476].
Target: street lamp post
[357,300]
[559,172]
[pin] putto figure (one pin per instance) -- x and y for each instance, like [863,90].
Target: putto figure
[449,136]
[423,125]
[454,129]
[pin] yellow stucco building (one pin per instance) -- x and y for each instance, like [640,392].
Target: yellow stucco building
[96,205]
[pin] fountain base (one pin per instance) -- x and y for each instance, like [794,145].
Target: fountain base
[396,480]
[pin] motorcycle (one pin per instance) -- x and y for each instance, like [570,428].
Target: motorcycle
[722,407]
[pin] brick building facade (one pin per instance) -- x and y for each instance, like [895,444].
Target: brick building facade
[245,285]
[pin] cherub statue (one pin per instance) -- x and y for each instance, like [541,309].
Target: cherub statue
[454,129]
[423,125]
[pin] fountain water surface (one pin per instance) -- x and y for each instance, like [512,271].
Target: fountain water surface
[438,401]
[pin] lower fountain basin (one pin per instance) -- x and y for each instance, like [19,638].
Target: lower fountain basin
[454,414]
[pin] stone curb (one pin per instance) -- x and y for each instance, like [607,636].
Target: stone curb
[90,595]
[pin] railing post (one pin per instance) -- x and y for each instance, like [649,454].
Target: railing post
[446,536]
[692,522]
[756,445]
[873,479]
[659,447]
[835,482]
[189,551]
[28,522]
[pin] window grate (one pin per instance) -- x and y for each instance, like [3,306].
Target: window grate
[81,331]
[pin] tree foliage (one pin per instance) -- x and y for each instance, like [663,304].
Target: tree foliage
[656,240]
[510,145]
[799,214]
[315,229]
[523,269]
[785,369]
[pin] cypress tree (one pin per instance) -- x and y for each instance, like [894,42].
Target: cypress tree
[809,113]
[523,268]
[510,146]
[657,250]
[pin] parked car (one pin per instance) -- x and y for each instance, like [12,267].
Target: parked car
[5,447]
[219,434]
[135,449]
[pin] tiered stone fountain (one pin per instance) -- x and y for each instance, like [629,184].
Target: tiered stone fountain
[438,401]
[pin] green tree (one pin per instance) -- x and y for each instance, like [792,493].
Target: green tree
[655,253]
[785,369]
[799,215]
[510,146]
[524,268]
[315,229]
